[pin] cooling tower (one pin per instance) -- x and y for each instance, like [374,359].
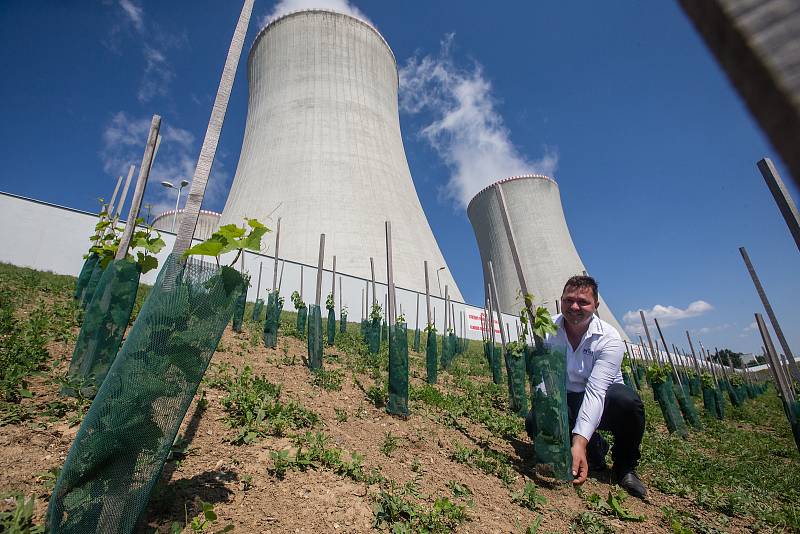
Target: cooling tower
[546,251]
[322,150]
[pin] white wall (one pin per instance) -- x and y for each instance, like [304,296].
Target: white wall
[47,237]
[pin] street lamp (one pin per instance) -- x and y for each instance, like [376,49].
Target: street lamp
[439,281]
[169,185]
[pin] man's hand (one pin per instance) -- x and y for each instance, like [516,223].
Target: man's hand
[580,466]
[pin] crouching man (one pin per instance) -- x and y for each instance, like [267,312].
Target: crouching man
[597,397]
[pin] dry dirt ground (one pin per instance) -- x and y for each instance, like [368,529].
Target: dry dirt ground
[237,481]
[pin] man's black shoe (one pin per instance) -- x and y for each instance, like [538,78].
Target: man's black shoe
[631,483]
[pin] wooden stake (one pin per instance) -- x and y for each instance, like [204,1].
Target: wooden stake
[333,281]
[772,357]
[770,313]
[427,294]
[372,268]
[319,268]
[672,363]
[258,287]
[391,317]
[127,186]
[138,192]
[301,281]
[694,356]
[782,197]
[191,210]
[277,249]
[416,323]
[649,339]
[499,313]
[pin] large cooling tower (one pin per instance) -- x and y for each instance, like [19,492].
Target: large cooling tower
[546,251]
[322,150]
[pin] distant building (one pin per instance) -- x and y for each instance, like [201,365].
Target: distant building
[207,223]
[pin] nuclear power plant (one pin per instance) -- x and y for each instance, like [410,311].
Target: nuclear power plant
[322,150]
[545,247]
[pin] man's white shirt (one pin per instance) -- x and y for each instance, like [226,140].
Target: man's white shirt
[592,367]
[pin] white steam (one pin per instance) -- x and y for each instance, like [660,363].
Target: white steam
[287,6]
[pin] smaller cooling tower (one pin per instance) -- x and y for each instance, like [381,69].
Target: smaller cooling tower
[207,223]
[544,244]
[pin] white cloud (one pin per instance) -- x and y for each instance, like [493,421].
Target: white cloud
[287,6]
[157,75]
[467,131]
[751,327]
[666,315]
[133,12]
[123,141]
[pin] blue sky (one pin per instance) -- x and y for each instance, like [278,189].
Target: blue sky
[654,152]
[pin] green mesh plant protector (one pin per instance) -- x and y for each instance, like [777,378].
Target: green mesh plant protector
[104,324]
[447,347]
[85,274]
[331,328]
[515,367]
[719,398]
[397,403]
[238,311]
[431,358]
[258,307]
[658,376]
[417,339]
[735,390]
[709,396]
[793,412]
[695,389]
[274,307]
[314,337]
[384,332]
[552,439]
[302,320]
[373,336]
[687,407]
[124,439]
[91,285]
[453,348]
[343,321]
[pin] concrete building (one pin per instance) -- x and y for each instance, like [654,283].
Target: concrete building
[207,223]
[544,244]
[322,150]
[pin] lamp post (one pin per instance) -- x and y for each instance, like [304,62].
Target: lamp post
[169,185]
[439,281]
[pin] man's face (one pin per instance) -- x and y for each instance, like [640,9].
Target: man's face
[578,305]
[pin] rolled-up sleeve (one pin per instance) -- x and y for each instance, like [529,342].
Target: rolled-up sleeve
[606,366]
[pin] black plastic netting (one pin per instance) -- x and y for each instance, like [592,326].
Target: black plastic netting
[710,402]
[258,307]
[687,407]
[274,307]
[397,403]
[515,366]
[104,324]
[431,358]
[124,439]
[238,310]
[331,327]
[314,337]
[343,322]
[85,274]
[302,319]
[91,285]
[662,391]
[417,340]
[373,335]
[551,444]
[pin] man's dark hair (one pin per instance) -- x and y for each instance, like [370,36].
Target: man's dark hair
[577,282]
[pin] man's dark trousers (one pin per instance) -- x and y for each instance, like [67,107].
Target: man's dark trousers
[623,416]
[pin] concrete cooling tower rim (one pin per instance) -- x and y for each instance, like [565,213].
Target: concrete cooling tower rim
[318,10]
[510,179]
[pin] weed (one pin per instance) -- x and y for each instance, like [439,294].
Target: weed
[20,518]
[529,497]
[590,523]
[206,519]
[341,414]
[487,460]
[416,467]
[390,444]
[612,506]
[458,489]
[254,409]
[394,509]
[330,380]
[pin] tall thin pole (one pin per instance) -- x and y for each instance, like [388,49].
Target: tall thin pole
[649,339]
[771,314]
[416,322]
[428,294]
[319,268]
[372,268]
[694,356]
[672,363]
[772,356]
[197,191]
[258,286]
[110,208]
[127,185]
[782,197]
[138,192]
[277,252]
[392,318]
[499,313]
[301,281]
[333,281]
[446,309]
